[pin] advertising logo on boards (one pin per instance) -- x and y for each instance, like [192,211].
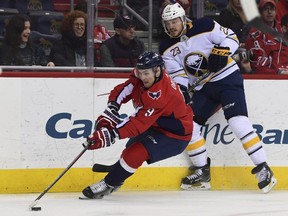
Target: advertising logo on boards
[221,134]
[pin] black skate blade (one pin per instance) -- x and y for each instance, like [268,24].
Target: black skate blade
[84,198]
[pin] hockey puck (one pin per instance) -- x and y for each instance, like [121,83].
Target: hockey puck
[36,208]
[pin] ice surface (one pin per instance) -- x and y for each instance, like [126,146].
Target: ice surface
[166,203]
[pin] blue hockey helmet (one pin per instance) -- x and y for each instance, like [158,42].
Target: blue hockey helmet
[149,60]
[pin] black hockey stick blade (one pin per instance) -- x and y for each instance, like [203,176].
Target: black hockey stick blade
[102,168]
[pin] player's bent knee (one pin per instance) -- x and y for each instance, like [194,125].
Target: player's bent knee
[135,155]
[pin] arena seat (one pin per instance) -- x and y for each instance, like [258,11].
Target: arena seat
[7,3]
[24,6]
[46,22]
[5,15]
[44,40]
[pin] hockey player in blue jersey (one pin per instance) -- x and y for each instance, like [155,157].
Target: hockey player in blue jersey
[198,55]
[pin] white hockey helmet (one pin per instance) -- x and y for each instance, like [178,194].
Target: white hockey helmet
[172,11]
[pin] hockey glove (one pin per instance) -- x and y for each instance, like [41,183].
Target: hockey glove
[185,94]
[218,58]
[101,138]
[109,118]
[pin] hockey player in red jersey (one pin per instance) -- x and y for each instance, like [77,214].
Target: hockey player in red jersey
[198,54]
[160,127]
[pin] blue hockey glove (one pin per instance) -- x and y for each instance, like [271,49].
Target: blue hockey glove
[218,58]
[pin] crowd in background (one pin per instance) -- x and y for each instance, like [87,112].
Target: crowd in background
[258,52]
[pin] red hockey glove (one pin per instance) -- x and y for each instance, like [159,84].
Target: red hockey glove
[109,118]
[218,58]
[101,138]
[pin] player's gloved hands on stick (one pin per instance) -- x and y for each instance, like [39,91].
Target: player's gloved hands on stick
[109,118]
[101,138]
[218,58]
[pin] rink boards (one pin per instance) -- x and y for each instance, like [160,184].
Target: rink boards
[44,121]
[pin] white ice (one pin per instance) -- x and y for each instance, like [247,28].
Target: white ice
[166,203]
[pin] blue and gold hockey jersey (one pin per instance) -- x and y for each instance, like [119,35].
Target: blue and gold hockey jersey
[187,56]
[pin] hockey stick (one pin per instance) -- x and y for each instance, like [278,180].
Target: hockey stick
[104,94]
[32,206]
[254,19]
[102,168]
[106,168]
[201,80]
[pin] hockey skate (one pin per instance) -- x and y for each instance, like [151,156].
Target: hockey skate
[199,179]
[97,190]
[265,176]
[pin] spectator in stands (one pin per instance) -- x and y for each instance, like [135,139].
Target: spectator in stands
[72,48]
[100,32]
[282,9]
[242,58]
[123,48]
[142,8]
[17,49]
[284,24]
[234,18]
[270,54]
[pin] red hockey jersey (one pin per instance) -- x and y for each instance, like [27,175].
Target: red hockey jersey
[270,54]
[161,106]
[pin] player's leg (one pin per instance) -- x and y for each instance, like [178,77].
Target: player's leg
[132,158]
[253,146]
[121,170]
[199,177]
[153,147]
[235,111]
